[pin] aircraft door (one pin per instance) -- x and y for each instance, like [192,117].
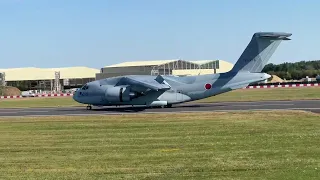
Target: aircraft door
[179,95]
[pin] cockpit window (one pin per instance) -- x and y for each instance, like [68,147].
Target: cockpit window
[85,87]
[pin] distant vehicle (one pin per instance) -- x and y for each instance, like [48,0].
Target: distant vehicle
[71,90]
[28,94]
[164,91]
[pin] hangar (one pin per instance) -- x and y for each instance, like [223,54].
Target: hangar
[47,79]
[59,79]
[176,67]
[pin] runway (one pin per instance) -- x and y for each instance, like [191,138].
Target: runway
[306,105]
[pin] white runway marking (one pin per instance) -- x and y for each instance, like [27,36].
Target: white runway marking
[8,112]
[34,111]
[262,105]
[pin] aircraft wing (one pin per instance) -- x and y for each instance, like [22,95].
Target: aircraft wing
[145,84]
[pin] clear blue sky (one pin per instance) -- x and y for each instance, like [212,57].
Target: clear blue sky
[96,33]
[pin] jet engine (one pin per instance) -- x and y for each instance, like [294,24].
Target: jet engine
[119,94]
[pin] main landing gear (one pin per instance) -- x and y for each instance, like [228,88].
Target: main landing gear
[166,106]
[89,107]
[169,106]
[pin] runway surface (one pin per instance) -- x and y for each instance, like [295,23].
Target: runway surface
[306,105]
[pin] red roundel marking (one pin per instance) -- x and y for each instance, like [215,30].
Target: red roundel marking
[207,86]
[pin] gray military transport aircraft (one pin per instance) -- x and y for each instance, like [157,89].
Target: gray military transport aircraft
[164,91]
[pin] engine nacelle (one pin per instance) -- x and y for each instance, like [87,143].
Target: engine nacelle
[119,94]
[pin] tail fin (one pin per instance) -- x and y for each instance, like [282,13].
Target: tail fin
[259,50]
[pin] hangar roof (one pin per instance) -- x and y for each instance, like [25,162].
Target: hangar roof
[202,61]
[143,63]
[157,63]
[33,73]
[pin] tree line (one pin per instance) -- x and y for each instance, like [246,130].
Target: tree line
[295,71]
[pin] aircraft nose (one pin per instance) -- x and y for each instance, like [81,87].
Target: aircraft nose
[75,96]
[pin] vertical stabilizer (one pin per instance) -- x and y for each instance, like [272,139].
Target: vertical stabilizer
[259,50]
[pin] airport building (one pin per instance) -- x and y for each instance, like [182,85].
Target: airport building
[47,79]
[59,79]
[176,67]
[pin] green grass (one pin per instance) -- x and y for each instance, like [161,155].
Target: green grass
[238,95]
[38,102]
[242,145]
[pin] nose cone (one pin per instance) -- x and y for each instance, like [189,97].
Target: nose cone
[75,96]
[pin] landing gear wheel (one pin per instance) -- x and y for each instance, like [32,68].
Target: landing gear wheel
[89,107]
[169,106]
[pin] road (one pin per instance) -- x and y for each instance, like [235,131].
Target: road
[307,105]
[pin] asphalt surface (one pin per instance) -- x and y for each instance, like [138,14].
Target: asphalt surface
[306,105]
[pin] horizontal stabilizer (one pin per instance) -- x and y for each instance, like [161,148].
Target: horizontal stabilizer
[274,35]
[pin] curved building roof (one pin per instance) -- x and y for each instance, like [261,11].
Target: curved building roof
[33,73]
[158,63]
[142,63]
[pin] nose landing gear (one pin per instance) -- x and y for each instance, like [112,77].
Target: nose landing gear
[89,107]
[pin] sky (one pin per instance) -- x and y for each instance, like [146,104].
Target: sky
[97,33]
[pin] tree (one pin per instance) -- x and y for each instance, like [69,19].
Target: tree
[1,90]
[297,70]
